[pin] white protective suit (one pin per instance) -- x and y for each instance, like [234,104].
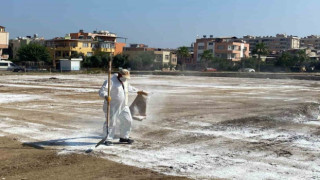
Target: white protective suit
[119,110]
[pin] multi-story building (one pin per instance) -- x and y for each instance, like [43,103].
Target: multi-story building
[119,47]
[15,44]
[162,56]
[311,41]
[137,47]
[280,42]
[87,44]
[229,48]
[4,42]
[173,59]
[232,50]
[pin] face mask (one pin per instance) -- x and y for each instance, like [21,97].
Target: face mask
[123,79]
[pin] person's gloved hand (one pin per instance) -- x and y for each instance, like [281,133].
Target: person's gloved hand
[140,92]
[107,98]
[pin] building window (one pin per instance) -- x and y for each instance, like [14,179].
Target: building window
[200,47]
[222,55]
[106,45]
[210,43]
[167,57]
[85,44]
[58,53]
[73,44]
[220,47]
[89,54]
[65,54]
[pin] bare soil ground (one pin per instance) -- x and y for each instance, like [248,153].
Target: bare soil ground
[18,161]
[197,127]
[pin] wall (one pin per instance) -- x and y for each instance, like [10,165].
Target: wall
[119,48]
[4,40]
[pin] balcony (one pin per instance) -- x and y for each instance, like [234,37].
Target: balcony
[104,49]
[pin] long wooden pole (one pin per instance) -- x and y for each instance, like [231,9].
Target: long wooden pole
[109,97]
[108,101]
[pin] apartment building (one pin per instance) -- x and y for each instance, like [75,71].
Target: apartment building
[85,43]
[4,42]
[229,48]
[173,59]
[311,41]
[163,56]
[15,44]
[280,42]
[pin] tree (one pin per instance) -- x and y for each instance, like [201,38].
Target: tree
[120,60]
[142,60]
[221,63]
[34,52]
[96,61]
[99,60]
[86,62]
[285,60]
[183,53]
[205,58]
[302,58]
[260,49]
[147,59]
[248,63]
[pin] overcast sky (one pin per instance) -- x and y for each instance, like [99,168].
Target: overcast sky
[161,23]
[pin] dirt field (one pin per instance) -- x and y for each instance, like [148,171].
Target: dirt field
[197,127]
[25,162]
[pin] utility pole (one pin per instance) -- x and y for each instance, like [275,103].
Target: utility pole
[54,55]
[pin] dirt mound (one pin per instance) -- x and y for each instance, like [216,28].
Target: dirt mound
[303,113]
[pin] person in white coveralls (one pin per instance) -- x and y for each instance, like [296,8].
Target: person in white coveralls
[119,110]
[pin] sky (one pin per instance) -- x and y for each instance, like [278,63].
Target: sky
[161,23]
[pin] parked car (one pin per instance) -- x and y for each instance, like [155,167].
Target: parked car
[209,70]
[9,66]
[246,70]
[18,69]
